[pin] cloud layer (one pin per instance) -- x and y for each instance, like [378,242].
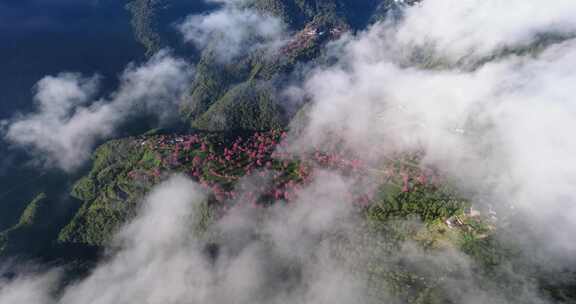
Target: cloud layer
[438,82]
[234,30]
[277,255]
[69,119]
[473,28]
[502,129]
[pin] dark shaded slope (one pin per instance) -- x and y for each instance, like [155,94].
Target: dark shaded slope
[247,106]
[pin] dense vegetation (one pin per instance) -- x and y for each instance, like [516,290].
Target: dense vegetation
[124,170]
[220,88]
[144,23]
[236,128]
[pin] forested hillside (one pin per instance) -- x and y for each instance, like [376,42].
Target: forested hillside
[329,153]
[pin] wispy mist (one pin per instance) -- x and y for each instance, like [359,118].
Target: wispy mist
[234,30]
[466,83]
[278,255]
[474,29]
[499,122]
[68,121]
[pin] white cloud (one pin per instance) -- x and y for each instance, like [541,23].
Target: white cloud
[502,129]
[158,262]
[278,255]
[68,121]
[477,28]
[32,289]
[234,30]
